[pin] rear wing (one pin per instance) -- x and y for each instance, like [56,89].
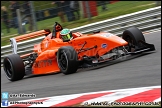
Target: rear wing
[13,41]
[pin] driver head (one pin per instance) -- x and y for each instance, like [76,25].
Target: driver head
[66,35]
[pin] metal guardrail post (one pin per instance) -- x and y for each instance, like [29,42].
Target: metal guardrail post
[19,21]
[81,8]
[33,15]
[88,10]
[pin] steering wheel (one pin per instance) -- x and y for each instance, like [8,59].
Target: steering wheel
[57,27]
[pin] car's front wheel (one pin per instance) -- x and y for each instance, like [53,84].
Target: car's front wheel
[134,37]
[67,59]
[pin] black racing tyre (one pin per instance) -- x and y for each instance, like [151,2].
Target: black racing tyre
[67,59]
[133,36]
[13,67]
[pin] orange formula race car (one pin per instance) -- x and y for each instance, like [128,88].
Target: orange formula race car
[64,51]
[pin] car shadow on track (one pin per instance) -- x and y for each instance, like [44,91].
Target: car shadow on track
[32,76]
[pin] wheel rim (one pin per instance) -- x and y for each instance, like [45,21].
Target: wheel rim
[8,68]
[62,59]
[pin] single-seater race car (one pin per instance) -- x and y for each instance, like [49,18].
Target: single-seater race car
[55,54]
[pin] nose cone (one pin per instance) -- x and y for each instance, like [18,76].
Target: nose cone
[111,38]
[120,40]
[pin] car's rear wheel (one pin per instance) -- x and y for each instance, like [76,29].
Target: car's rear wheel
[13,67]
[67,59]
[133,36]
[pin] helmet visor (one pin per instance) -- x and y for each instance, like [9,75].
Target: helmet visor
[66,37]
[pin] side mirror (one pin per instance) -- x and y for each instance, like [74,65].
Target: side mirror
[47,30]
[57,27]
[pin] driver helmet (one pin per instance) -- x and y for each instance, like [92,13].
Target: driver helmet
[66,35]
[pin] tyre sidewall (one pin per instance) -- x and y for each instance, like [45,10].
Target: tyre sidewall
[18,69]
[71,57]
[135,34]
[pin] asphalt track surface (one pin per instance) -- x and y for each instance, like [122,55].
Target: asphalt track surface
[141,71]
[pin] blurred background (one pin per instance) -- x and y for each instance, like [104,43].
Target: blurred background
[21,17]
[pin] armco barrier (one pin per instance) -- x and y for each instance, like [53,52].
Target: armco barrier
[144,20]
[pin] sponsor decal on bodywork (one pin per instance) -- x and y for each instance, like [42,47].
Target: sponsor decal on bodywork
[43,63]
[104,45]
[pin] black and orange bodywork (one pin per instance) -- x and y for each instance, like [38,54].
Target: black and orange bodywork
[90,45]
[100,43]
